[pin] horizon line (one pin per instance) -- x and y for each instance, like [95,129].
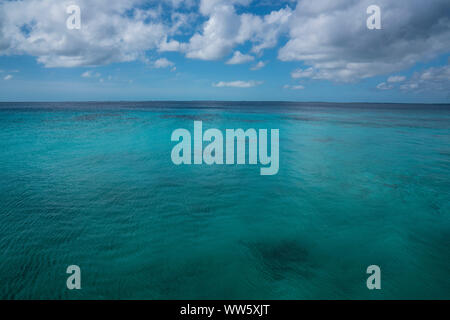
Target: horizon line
[227,101]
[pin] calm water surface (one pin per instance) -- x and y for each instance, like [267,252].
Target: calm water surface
[93,184]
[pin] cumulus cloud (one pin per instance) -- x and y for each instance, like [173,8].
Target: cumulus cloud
[226,29]
[171,45]
[111,31]
[8,77]
[259,65]
[239,58]
[384,86]
[121,31]
[237,84]
[220,33]
[331,37]
[436,79]
[394,79]
[268,29]
[163,63]
[302,73]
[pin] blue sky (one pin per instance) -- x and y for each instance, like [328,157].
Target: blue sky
[225,50]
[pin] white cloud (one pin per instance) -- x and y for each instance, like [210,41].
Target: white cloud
[218,36]
[302,73]
[394,79]
[111,31]
[268,31]
[209,6]
[328,38]
[259,65]
[332,37]
[384,86]
[226,29]
[171,45]
[294,87]
[237,84]
[409,86]
[122,31]
[90,74]
[8,77]
[239,58]
[162,63]
[436,79]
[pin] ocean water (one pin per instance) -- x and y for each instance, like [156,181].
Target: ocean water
[93,184]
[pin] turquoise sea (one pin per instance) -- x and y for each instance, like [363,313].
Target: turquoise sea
[93,184]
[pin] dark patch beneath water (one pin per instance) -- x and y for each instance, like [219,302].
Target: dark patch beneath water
[298,118]
[247,120]
[197,117]
[207,117]
[324,140]
[282,258]
[95,116]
